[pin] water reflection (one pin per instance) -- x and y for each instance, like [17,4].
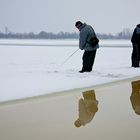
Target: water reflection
[88,106]
[135,96]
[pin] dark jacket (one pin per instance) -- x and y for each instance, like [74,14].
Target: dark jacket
[86,33]
[136,35]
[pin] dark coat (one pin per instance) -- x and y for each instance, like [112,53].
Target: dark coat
[136,35]
[86,32]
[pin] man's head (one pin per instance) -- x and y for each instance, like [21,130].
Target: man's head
[78,24]
[138,25]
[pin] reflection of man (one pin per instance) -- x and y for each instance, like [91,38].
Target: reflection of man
[87,108]
[135,96]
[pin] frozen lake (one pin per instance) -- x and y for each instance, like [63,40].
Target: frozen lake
[34,67]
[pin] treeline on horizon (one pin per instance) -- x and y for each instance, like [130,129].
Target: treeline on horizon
[125,34]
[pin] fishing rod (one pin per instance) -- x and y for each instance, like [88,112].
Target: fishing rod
[69,57]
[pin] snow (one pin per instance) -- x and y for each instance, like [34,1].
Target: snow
[35,67]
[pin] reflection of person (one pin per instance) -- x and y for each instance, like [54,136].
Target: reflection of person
[136,47]
[87,38]
[87,108]
[135,96]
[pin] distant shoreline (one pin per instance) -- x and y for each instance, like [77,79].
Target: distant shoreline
[61,42]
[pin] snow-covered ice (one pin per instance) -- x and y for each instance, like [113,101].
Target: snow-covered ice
[31,67]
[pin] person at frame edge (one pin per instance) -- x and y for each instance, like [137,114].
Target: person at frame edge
[86,34]
[135,39]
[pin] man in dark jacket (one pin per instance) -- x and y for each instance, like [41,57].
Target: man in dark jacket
[136,47]
[86,36]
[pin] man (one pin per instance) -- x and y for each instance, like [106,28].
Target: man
[135,58]
[87,42]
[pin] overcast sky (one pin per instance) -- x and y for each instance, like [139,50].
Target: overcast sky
[106,16]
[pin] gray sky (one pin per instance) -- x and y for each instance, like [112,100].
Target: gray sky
[106,16]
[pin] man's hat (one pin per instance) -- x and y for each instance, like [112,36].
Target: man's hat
[78,24]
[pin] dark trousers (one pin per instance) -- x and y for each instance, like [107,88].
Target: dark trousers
[135,57]
[88,60]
